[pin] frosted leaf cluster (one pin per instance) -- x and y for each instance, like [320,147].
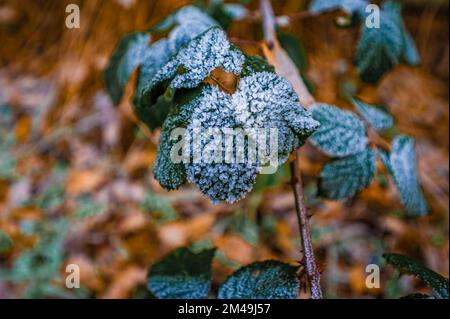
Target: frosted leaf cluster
[341,133]
[172,92]
[262,100]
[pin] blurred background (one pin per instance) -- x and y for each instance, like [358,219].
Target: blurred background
[75,171]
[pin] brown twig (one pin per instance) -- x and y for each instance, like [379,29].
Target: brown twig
[311,268]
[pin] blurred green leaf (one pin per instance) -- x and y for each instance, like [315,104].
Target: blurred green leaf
[5,242]
[240,223]
[88,207]
[183,274]
[160,207]
[129,53]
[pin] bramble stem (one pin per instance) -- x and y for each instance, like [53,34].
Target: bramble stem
[303,222]
[312,272]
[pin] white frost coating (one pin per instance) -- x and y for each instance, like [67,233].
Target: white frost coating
[200,58]
[341,133]
[263,100]
[190,22]
[268,100]
[218,181]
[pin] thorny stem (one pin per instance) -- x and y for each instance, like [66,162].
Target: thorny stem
[313,275]
[303,222]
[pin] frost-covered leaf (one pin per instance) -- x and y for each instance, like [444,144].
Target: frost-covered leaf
[150,112]
[380,49]
[180,22]
[191,65]
[410,55]
[377,118]
[261,280]
[349,6]
[407,265]
[341,133]
[169,174]
[183,274]
[263,100]
[345,177]
[254,64]
[219,181]
[401,163]
[129,53]
[266,100]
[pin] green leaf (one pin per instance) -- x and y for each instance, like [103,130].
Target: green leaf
[5,242]
[345,177]
[194,63]
[128,55]
[410,55]
[402,165]
[376,117]
[349,6]
[379,49]
[183,274]
[405,264]
[263,100]
[172,174]
[160,207]
[88,207]
[340,134]
[294,49]
[261,280]
[244,226]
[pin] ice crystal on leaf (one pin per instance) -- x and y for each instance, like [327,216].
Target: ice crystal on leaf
[266,100]
[198,59]
[341,133]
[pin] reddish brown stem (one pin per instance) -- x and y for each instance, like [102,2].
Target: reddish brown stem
[311,268]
